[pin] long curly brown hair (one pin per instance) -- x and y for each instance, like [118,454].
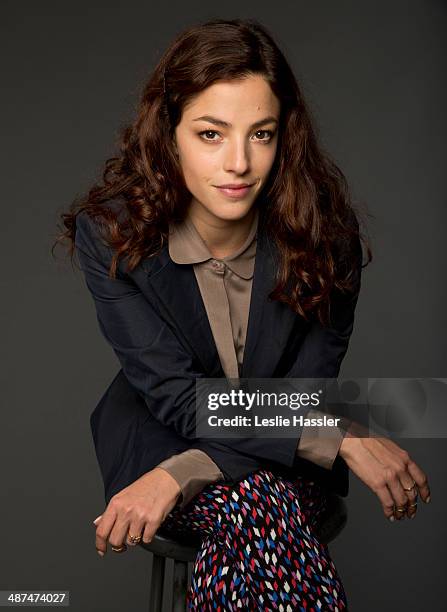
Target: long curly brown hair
[306,201]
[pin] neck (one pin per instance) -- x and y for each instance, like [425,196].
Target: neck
[222,236]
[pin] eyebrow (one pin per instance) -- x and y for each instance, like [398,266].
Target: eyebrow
[222,123]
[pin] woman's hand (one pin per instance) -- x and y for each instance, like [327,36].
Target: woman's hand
[139,509]
[386,468]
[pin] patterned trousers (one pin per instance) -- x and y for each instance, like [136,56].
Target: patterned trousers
[259,549]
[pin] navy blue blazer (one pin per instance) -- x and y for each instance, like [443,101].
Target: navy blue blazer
[155,321]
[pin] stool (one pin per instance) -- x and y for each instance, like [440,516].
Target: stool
[184,551]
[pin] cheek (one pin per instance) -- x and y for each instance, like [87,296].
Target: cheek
[262,163]
[265,159]
[197,165]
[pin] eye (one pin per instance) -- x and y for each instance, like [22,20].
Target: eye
[201,134]
[205,133]
[268,132]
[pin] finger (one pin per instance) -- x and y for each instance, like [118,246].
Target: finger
[421,480]
[412,506]
[135,529]
[412,496]
[150,528]
[387,502]
[104,528]
[398,495]
[396,459]
[118,534]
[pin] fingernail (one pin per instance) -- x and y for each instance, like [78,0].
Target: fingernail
[97,519]
[413,515]
[427,501]
[100,553]
[391,518]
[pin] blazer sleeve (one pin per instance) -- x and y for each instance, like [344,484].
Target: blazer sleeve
[151,355]
[193,469]
[321,354]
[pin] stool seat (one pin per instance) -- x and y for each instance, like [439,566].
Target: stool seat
[333,520]
[184,548]
[180,549]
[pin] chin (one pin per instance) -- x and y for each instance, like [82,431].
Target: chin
[232,212]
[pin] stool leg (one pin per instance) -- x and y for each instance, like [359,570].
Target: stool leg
[190,571]
[179,587]
[157,580]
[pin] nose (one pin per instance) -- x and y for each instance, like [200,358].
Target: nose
[236,156]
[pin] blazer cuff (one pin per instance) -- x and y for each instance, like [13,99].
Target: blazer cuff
[193,469]
[320,444]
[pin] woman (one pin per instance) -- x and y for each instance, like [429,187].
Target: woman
[243,260]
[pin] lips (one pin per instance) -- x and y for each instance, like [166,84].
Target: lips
[234,185]
[235,191]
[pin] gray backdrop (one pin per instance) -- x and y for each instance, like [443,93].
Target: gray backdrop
[374,74]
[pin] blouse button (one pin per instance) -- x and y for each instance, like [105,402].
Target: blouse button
[217,265]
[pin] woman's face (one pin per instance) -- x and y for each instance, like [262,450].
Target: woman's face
[228,135]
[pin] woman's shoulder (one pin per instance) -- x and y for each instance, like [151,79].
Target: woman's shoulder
[95,216]
[91,223]
[93,233]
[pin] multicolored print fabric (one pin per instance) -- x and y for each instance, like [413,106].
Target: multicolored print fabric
[259,549]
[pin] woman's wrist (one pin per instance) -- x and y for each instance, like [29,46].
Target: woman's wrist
[172,486]
[350,439]
[346,445]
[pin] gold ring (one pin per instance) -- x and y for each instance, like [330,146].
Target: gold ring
[119,549]
[401,509]
[413,505]
[135,539]
[410,488]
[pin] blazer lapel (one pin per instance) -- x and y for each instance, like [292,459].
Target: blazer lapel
[269,323]
[176,287]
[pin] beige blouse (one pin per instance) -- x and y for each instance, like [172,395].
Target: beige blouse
[225,286]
